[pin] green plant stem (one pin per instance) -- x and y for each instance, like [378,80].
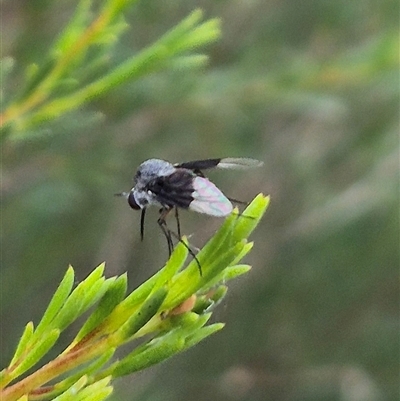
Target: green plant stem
[58,366]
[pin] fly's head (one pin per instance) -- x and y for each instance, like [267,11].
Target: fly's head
[150,173]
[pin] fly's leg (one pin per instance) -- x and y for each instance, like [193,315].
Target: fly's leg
[192,254]
[178,224]
[163,225]
[168,235]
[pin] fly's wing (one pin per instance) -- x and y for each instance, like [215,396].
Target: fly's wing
[240,163]
[208,199]
[228,162]
[199,164]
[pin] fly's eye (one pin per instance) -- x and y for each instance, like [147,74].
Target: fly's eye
[132,202]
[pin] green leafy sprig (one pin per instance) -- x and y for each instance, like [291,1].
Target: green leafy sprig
[166,315]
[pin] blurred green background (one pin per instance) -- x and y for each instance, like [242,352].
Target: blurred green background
[312,89]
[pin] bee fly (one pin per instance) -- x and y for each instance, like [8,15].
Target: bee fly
[183,185]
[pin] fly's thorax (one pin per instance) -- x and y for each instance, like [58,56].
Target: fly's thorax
[150,170]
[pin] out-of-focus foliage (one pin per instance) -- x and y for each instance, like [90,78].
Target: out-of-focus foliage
[74,71]
[311,88]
